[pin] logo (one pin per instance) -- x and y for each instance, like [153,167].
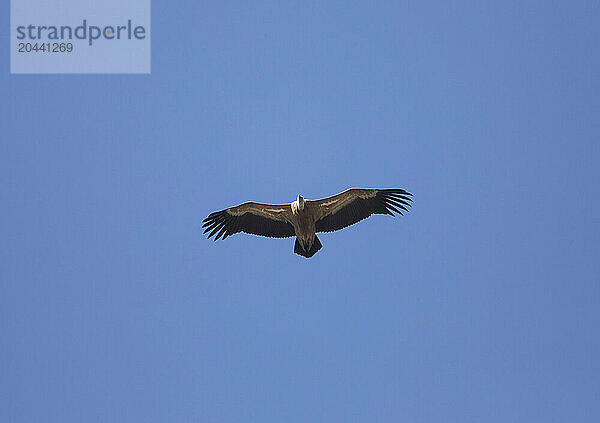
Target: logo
[90,33]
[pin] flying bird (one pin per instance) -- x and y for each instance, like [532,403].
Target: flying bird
[305,218]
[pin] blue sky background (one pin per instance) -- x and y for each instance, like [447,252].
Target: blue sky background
[482,304]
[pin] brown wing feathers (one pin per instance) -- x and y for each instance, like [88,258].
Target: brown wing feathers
[224,224]
[273,221]
[386,201]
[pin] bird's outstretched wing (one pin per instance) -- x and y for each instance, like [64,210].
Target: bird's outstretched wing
[355,204]
[253,218]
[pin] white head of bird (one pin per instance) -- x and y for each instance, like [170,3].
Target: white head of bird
[298,205]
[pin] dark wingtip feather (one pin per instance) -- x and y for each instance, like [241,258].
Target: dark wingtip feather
[216,223]
[396,200]
[397,192]
[399,204]
[209,228]
[390,207]
[221,232]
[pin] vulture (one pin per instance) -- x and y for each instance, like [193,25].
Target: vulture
[304,218]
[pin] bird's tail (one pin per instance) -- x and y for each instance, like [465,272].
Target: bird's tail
[312,250]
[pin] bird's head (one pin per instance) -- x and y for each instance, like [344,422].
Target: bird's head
[300,202]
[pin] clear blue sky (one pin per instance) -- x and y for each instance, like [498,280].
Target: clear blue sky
[481,305]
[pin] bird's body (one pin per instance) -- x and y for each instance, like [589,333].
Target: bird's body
[304,225]
[305,218]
